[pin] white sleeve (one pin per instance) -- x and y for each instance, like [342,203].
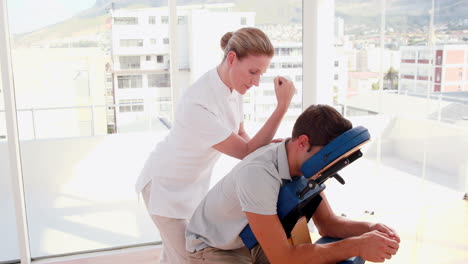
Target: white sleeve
[257,189]
[205,126]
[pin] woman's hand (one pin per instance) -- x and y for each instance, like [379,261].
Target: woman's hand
[284,90]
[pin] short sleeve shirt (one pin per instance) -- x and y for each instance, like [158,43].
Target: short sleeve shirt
[179,168]
[252,186]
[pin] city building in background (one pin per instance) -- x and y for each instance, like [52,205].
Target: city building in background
[84,77]
[141,61]
[375,59]
[442,68]
[261,101]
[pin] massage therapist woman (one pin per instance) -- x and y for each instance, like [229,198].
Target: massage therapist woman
[208,121]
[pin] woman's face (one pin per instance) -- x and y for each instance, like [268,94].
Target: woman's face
[247,71]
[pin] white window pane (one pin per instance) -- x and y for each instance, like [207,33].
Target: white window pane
[9,242]
[69,80]
[125,20]
[414,118]
[284,29]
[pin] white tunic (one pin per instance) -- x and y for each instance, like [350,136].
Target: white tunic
[180,166]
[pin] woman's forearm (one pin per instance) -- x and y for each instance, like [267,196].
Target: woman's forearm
[268,130]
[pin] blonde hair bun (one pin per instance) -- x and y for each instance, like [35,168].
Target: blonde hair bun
[225,40]
[247,41]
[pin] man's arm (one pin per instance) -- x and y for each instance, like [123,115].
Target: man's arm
[331,225]
[272,238]
[371,245]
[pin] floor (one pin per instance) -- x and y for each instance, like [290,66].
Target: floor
[145,255]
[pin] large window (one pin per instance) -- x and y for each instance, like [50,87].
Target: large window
[417,129]
[9,242]
[70,83]
[401,76]
[281,21]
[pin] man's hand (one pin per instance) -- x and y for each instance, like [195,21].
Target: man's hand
[376,246]
[387,230]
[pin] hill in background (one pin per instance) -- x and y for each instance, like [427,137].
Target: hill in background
[91,27]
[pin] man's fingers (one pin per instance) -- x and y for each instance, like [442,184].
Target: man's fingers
[384,229]
[396,236]
[388,230]
[392,250]
[393,244]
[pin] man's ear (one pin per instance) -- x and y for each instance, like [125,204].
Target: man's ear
[303,142]
[231,56]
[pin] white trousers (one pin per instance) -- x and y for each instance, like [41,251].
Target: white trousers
[172,231]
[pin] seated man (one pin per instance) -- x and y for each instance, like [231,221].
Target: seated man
[249,195]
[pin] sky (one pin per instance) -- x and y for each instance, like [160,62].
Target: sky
[29,15]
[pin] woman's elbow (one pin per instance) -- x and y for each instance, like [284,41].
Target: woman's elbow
[241,156]
[242,153]
[247,150]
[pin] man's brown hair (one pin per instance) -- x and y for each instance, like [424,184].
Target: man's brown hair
[321,123]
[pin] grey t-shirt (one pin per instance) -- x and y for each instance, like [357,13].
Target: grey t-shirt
[252,186]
